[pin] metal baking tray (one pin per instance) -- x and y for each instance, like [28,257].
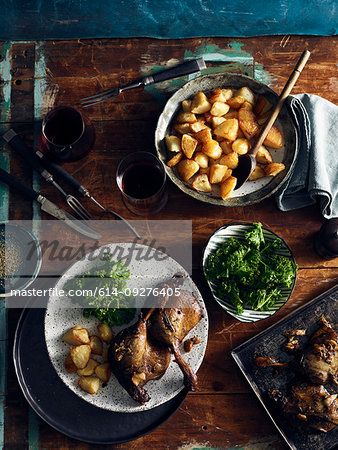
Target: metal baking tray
[269,343]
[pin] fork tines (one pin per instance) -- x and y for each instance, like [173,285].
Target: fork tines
[98,98]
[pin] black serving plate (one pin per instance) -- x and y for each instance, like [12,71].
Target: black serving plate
[269,343]
[60,407]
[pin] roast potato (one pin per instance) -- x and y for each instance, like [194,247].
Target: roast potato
[257,173]
[227,129]
[200,104]
[182,128]
[80,355]
[273,169]
[263,155]
[102,371]
[274,138]
[201,183]
[188,145]
[197,126]
[186,117]
[201,159]
[105,332]
[217,172]
[69,364]
[89,369]
[76,336]
[219,109]
[241,146]
[247,122]
[175,159]
[173,143]
[186,105]
[247,94]
[227,186]
[236,102]
[212,149]
[89,384]
[230,160]
[96,345]
[204,135]
[187,168]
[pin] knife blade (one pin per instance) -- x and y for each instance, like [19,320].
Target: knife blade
[57,212]
[48,206]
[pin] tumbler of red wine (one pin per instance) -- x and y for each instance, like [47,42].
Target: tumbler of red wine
[141,179]
[67,135]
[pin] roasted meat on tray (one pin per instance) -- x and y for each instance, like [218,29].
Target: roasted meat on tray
[320,360]
[135,359]
[312,405]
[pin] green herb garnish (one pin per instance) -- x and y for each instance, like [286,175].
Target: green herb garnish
[103,291]
[250,272]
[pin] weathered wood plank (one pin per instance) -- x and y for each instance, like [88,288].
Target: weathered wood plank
[117,57]
[91,68]
[217,421]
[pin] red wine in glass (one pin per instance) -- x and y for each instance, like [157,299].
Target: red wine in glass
[67,135]
[142,182]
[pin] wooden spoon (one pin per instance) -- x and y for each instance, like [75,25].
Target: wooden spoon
[247,162]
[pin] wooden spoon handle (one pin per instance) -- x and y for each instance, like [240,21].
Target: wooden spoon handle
[285,92]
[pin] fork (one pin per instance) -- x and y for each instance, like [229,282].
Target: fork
[14,140]
[185,68]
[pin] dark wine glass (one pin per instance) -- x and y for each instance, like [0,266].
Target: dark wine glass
[67,135]
[141,179]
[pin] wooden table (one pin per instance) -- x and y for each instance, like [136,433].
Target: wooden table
[223,413]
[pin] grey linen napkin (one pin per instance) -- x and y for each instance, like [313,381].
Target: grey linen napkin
[315,175]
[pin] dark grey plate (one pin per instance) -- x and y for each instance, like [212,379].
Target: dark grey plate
[60,407]
[268,343]
[250,192]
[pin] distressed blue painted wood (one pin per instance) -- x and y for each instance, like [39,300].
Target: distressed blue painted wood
[5,76]
[62,19]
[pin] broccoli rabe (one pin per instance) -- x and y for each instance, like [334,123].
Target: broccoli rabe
[250,272]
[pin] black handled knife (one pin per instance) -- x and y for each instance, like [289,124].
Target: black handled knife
[48,206]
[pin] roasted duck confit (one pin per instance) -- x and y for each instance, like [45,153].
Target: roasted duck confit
[135,359]
[172,321]
[320,360]
[311,405]
[142,352]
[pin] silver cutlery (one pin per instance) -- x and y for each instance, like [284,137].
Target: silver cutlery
[63,174]
[48,206]
[180,70]
[14,140]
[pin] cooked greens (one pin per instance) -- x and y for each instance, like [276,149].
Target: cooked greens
[250,272]
[103,292]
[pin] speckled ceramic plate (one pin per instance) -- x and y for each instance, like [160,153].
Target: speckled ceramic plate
[61,316]
[253,191]
[238,230]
